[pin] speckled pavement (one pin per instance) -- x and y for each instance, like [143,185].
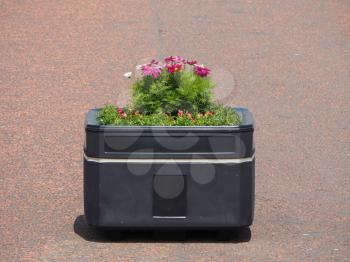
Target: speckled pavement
[288,61]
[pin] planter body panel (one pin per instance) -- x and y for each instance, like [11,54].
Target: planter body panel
[129,182]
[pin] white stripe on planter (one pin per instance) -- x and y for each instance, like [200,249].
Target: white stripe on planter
[169,161]
[168,217]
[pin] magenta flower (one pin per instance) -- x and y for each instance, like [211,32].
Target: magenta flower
[191,62]
[179,59]
[168,59]
[201,70]
[151,70]
[121,113]
[174,59]
[173,68]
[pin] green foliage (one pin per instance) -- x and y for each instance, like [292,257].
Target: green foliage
[170,92]
[108,115]
[219,116]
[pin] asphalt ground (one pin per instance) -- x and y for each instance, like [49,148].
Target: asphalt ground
[287,61]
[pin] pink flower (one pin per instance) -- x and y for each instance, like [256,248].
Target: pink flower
[191,62]
[201,70]
[150,70]
[209,113]
[168,59]
[180,113]
[189,115]
[121,113]
[172,68]
[179,59]
[174,59]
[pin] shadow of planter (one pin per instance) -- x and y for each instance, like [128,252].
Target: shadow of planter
[91,234]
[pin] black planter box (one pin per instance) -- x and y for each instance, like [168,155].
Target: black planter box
[169,177]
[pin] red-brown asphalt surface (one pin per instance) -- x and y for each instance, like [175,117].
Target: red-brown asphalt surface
[287,61]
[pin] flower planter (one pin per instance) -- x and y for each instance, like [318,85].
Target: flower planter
[143,177]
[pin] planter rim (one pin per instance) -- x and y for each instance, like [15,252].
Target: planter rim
[247,124]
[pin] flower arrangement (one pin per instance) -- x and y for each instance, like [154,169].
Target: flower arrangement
[175,92]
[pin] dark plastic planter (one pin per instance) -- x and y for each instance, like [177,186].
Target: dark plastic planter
[169,177]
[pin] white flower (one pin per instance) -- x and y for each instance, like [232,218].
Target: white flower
[128,74]
[139,67]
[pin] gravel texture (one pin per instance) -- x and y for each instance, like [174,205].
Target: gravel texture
[287,61]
